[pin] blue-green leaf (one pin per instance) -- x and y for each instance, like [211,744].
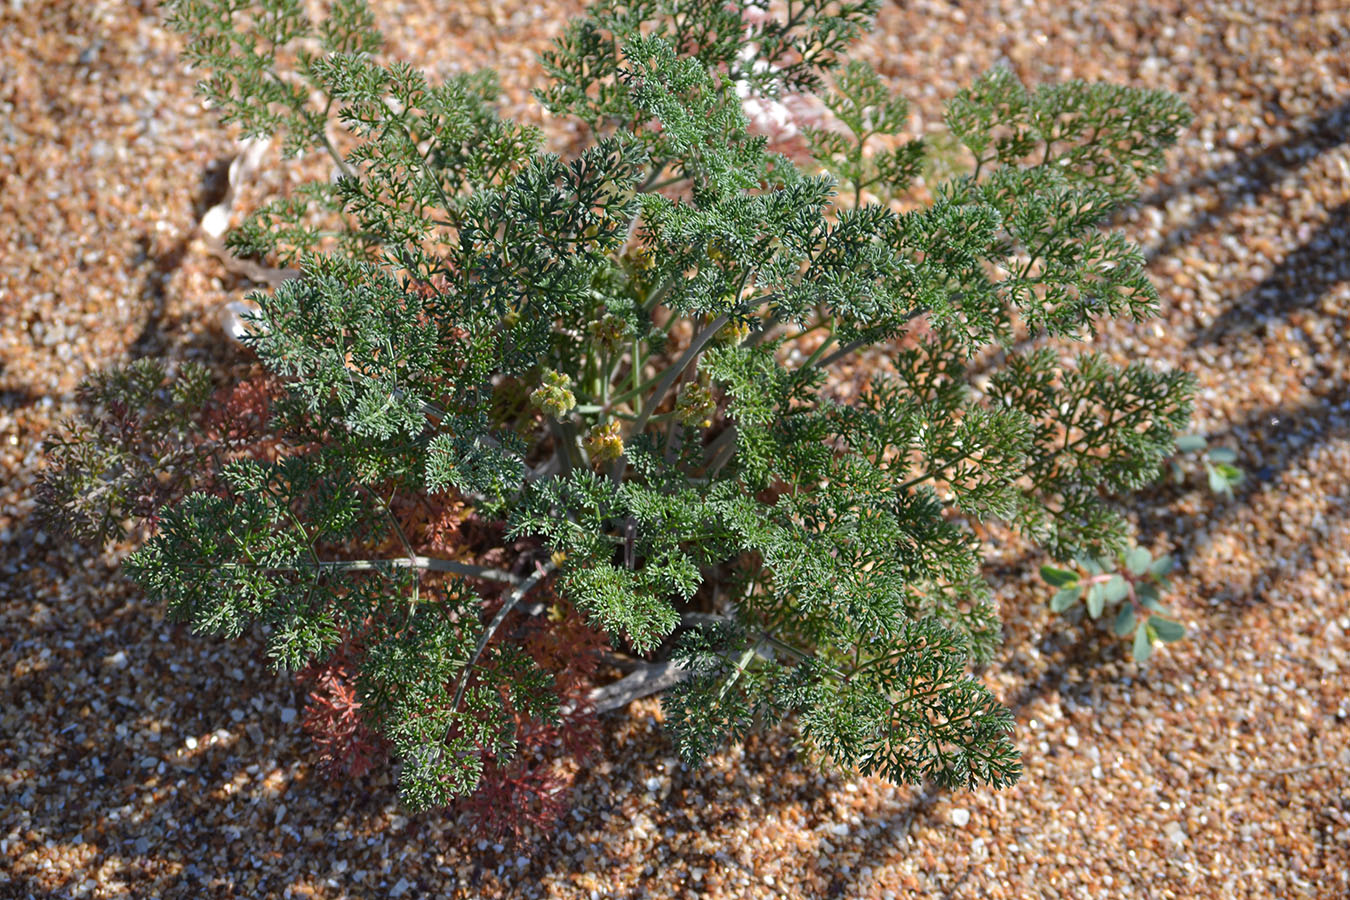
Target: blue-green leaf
[1066,598]
[1189,443]
[1217,482]
[1138,560]
[1143,645]
[1096,600]
[1058,577]
[1125,620]
[1166,629]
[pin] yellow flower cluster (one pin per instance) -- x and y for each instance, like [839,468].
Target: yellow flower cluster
[609,332]
[554,396]
[695,405]
[604,443]
[732,333]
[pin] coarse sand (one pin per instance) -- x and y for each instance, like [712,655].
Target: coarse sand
[138,760]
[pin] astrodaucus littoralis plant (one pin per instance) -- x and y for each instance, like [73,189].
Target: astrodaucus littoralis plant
[622,360]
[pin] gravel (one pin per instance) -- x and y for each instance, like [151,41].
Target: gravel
[138,760]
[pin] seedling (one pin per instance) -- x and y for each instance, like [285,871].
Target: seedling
[1131,584]
[1218,462]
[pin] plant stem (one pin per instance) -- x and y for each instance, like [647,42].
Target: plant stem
[667,381]
[820,350]
[862,342]
[429,563]
[509,604]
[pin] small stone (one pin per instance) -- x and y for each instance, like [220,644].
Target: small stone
[1175,833]
[960,817]
[288,715]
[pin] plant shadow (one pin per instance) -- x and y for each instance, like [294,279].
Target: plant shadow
[1248,178]
[1299,281]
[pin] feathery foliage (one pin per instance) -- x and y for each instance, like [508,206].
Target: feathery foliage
[623,360]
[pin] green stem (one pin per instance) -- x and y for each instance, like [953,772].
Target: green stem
[933,474]
[565,444]
[659,295]
[820,350]
[651,184]
[630,394]
[635,373]
[800,654]
[720,451]
[805,331]
[741,663]
[862,342]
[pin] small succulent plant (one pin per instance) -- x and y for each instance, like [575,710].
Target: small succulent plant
[1132,584]
[1218,463]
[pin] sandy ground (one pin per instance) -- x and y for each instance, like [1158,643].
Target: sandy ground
[138,760]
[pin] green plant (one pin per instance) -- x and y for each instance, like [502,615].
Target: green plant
[1133,581]
[1220,472]
[609,374]
[1141,579]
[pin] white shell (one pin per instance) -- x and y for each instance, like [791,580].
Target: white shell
[232,320]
